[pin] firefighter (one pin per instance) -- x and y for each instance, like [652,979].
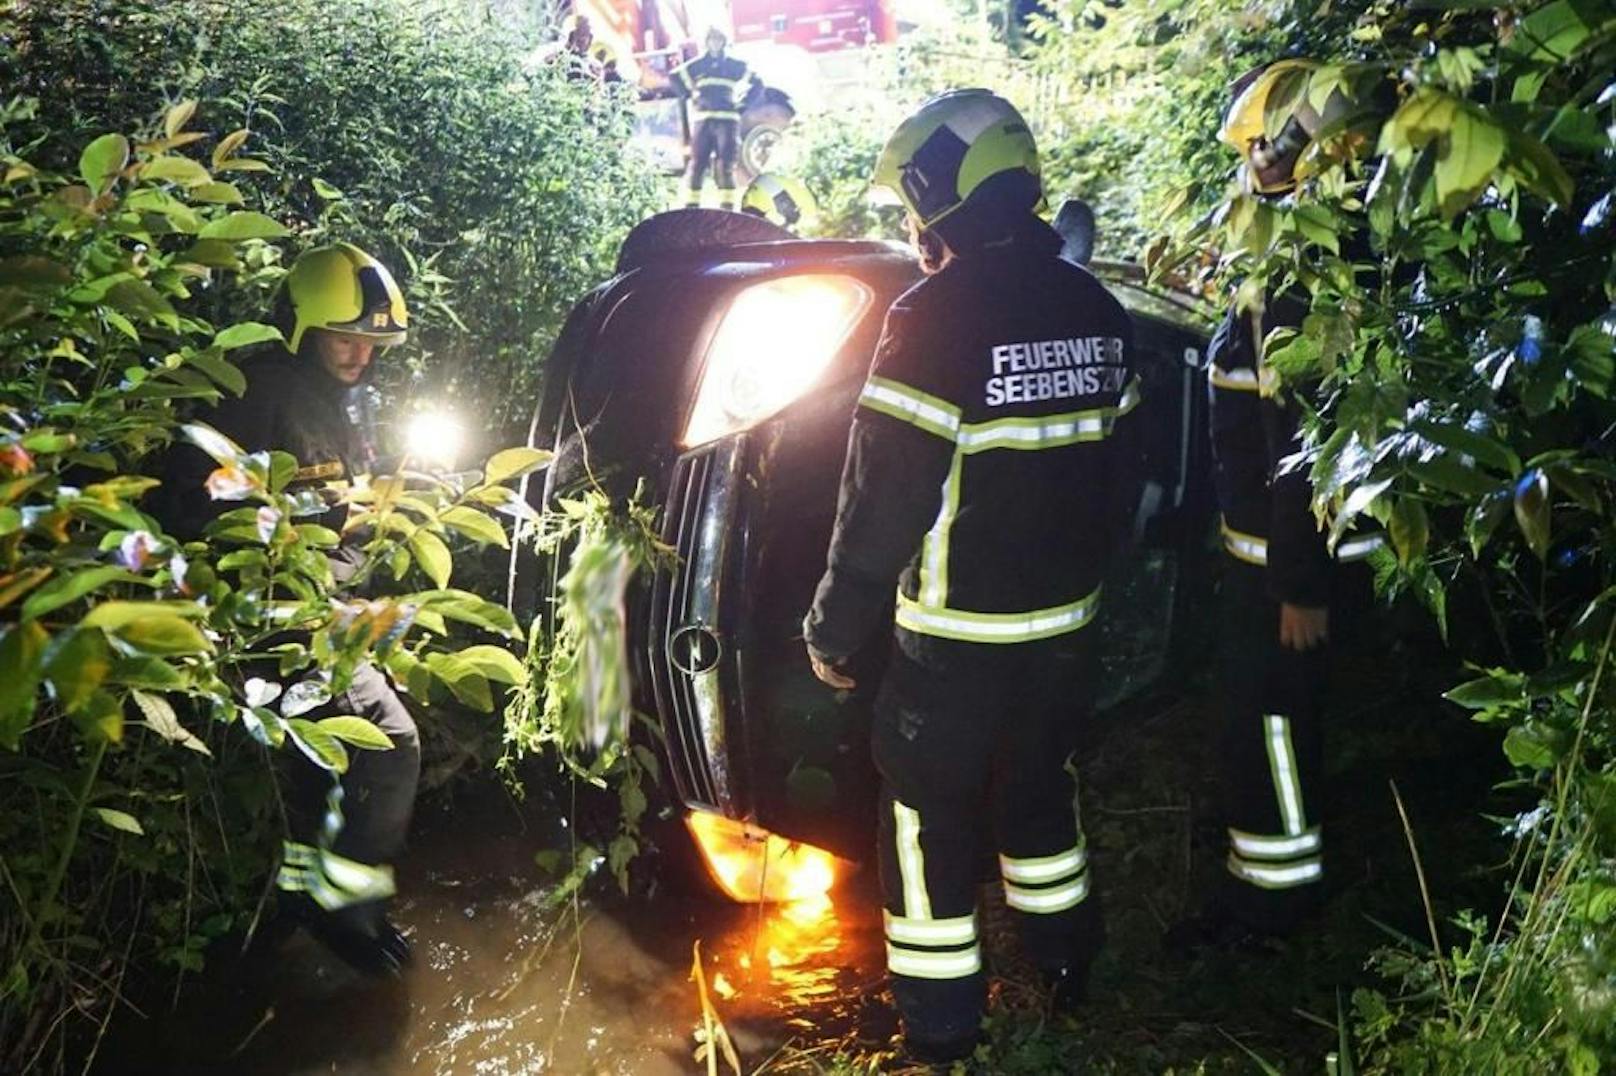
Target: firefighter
[990,477]
[1280,578]
[782,200]
[718,86]
[336,306]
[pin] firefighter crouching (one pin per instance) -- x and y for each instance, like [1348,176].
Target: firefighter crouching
[991,478]
[337,305]
[718,86]
[1279,584]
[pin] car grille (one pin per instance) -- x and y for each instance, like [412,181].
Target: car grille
[697,523]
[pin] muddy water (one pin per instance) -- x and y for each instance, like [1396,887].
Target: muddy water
[505,984]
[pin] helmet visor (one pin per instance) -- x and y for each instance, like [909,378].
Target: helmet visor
[381,311]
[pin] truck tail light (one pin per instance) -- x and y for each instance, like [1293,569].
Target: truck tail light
[752,865]
[774,343]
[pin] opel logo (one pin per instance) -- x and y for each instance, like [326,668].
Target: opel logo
[694,649]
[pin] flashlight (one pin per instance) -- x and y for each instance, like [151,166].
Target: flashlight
[434,438]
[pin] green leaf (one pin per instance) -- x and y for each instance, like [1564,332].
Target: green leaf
[65,589]
[175,119]
[119,820]
[356,731]
[114,615]
[1482,520]
[100,718]
[1532,510]
[222,371]
[21,651]
[1471,151]
[513,463]
[496,663]
[326,190]
[244,224]
[17,584]
[76,666]
[1448,475]
[175,169]
[432,555]
[1480,447]
[474,525]
[215,193]
[102,160]
[245,334]
[1496,689]
[1532,746]
[463,680]
[161,719]
[1538,169]
[163,634]
[150,673]
[321,747]
[1410,529]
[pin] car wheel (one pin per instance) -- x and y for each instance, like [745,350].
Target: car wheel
[766,126]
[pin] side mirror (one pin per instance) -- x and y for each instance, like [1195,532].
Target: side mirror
[1075,223]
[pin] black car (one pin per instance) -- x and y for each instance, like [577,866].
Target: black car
[717,371]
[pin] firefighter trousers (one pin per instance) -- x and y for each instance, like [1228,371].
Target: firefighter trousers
[715,144]
[1272,753]
[975,747]
[344,830]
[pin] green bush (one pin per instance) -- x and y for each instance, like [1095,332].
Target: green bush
[142,686]
[497,189]
[1458,249]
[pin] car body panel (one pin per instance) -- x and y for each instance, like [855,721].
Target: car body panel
[717,639]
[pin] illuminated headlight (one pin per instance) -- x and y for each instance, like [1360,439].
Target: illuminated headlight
[752,865]
[774,343]
[434,438]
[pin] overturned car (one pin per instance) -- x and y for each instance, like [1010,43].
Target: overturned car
[717,372]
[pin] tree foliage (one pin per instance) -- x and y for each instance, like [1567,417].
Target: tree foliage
[425,132]
[1457,249]
[143,678]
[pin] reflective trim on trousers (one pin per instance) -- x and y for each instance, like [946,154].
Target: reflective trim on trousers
[1286,773]
[976,627]
[1043,868]
[923,964]
[1255,846]
[1048,900]
[333,881]
[960,930]
[911,861]
[1277,876]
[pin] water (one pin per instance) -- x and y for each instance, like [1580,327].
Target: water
[504,984]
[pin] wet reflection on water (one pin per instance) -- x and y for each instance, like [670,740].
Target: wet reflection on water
[504,983]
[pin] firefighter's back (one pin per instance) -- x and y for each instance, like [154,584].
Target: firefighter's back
[1030,360]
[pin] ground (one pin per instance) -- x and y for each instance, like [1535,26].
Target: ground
[504,983]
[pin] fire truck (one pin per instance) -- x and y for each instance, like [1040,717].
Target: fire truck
[798,48]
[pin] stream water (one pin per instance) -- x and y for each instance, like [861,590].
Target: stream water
[503,983]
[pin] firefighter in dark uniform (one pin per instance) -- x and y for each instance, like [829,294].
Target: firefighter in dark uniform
[1280,579]
[990,478]
[337,305]
[718,86]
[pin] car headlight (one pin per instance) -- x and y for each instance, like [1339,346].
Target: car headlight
[752,865]
[774,343]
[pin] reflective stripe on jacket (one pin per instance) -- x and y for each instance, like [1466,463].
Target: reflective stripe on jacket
[717,86]
[991,471]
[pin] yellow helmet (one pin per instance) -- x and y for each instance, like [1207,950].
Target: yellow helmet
[785,200]
[957,141]
[1275,163]
[342,289]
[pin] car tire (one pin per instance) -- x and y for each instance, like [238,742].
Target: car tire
[764,127]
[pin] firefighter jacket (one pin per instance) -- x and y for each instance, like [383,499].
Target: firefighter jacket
[991,470]
[1267,505]
[718,86]
[290,405]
